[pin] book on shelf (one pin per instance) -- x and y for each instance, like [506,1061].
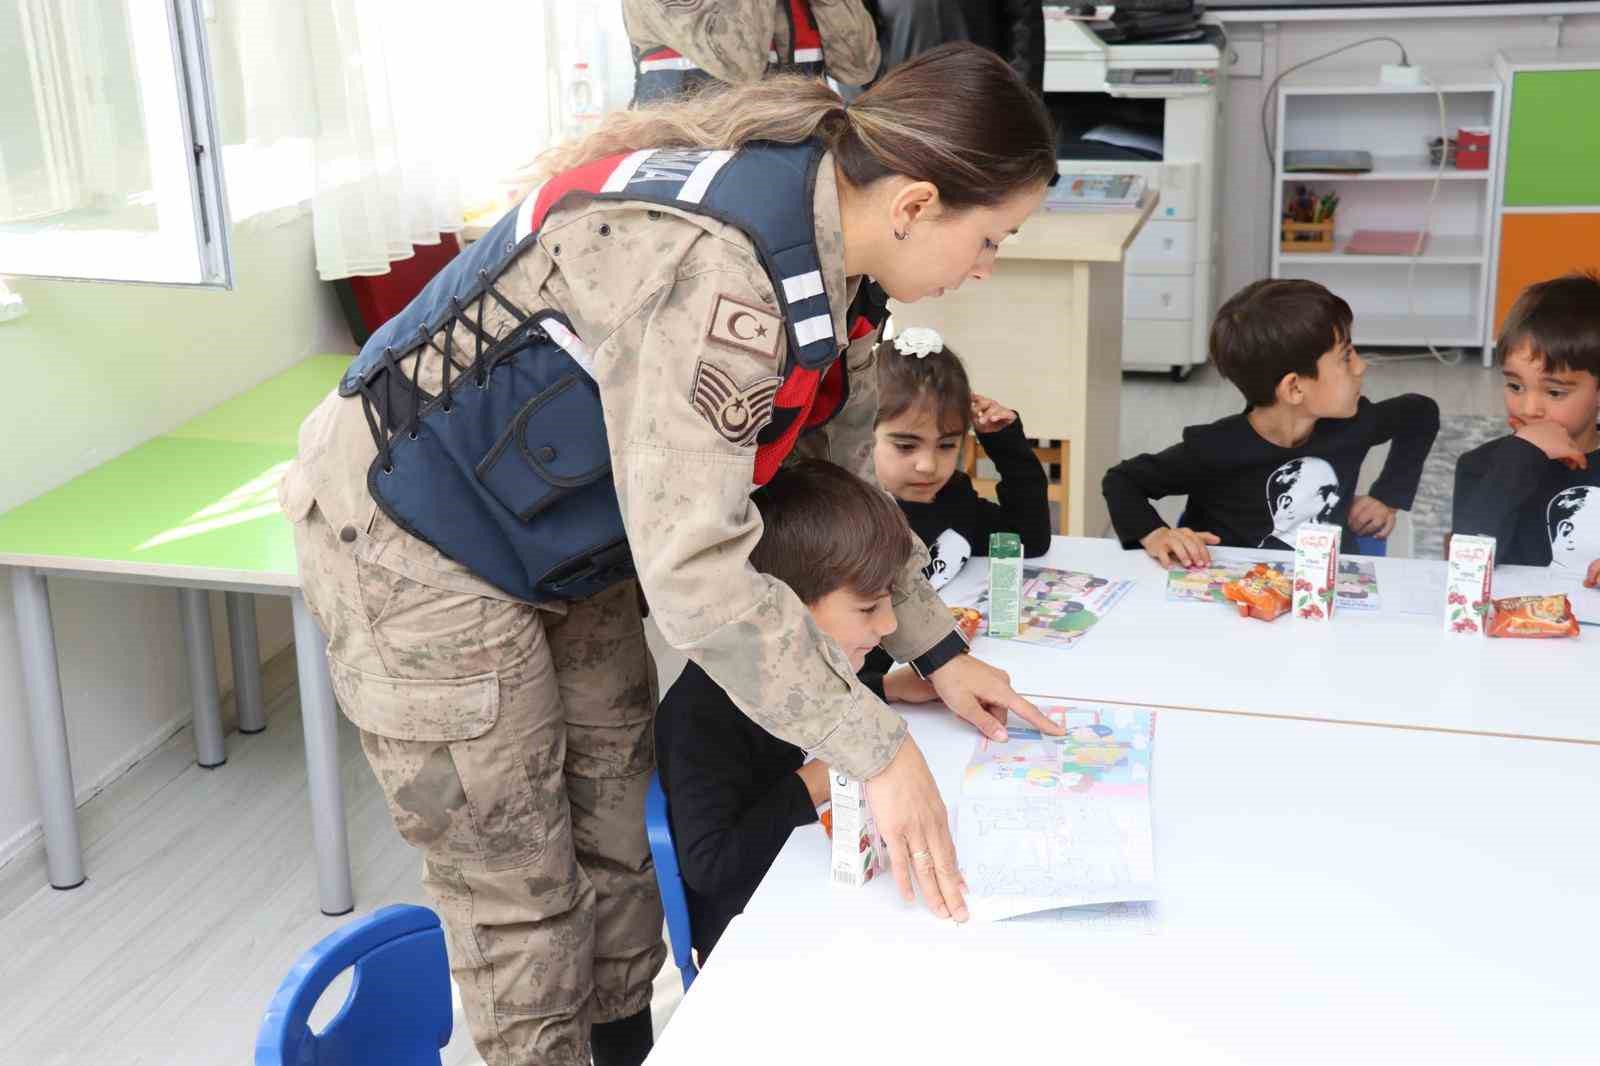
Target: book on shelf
[1407,242]
[1316,160]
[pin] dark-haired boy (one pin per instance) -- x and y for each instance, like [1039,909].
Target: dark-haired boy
[1537,491]
[735,792]
[1294,454]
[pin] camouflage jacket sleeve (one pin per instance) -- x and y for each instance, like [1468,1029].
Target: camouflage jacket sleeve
[922,618]
[849,39]
[682,408]
[728,39]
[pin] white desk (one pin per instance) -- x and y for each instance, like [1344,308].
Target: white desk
[1388,667]
[1328,893]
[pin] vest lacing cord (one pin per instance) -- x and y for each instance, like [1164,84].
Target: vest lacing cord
[484,358]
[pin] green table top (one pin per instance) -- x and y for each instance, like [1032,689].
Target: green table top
[199,503]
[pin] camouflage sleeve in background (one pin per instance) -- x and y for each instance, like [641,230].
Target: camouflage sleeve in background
[849,39]
[728,39]
[682,409]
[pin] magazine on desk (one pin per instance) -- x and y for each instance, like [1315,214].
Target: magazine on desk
[1078,192]
[1049,822]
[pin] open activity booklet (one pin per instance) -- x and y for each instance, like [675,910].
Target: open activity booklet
[1049,822]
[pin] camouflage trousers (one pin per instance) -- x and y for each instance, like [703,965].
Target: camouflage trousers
[514,745]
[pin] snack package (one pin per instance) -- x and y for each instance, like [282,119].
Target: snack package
[1467,584]
[1533,616]
[857,851]
[968,621]
[1316,565]
[1261,593]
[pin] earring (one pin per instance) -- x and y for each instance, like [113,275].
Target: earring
[902,236]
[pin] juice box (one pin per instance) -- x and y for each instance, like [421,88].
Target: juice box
[857,851]
[1316,569]
[1467,584]
[1005,584]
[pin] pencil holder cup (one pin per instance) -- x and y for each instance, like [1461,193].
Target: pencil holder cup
[1307,236]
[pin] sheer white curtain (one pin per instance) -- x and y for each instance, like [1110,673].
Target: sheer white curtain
[416,111]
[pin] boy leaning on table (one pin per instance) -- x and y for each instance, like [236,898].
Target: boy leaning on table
[1537,490]
[735,792]
[1294,453]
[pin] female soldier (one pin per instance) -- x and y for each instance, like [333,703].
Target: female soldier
[607,373]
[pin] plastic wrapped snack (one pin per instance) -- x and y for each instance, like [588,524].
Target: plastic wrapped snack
[968,621]
[1533,616]
[1261,593]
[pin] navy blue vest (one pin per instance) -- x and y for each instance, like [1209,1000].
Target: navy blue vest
[507,470]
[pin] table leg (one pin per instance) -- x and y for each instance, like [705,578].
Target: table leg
[319,718]
[195,606]
[48,726]
[246,646]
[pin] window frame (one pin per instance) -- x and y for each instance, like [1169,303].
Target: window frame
[190,247]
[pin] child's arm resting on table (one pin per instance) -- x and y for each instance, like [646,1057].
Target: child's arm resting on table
[1133,483]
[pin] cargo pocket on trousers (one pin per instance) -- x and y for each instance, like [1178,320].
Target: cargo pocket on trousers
[457,787]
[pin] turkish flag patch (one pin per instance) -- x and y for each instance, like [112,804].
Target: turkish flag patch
[750,329]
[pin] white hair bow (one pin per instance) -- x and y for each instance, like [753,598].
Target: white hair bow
[919,341]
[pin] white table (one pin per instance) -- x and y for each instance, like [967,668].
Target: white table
[1388,667]
[1328,893]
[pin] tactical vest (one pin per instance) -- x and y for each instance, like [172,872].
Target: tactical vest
[663,73]
[507,469]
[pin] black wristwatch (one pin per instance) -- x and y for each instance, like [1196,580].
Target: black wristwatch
[941,653]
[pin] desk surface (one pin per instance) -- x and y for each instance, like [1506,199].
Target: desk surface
[199,503]
[1094,235]
[1389,667]
[1327,893]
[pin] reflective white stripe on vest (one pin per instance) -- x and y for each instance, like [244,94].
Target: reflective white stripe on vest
[700,178]
[647,66]
[802,286]
[625,170]
[810,330]
[570,343]
[525,212]
[808,55]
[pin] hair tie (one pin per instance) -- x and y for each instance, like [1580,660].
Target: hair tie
[919,341]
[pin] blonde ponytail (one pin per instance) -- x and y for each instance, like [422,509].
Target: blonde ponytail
[785,108]
[957,116]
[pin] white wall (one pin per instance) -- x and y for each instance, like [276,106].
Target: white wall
[91,371]
[1247,225]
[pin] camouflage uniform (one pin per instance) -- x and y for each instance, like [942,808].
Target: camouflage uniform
[727,38]
[513,741]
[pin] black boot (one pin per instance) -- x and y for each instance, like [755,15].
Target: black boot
[624,1042]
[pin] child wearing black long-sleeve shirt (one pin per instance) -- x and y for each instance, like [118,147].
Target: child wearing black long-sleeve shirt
[1537,491]
[735,792]
[925,406]
[1294,454]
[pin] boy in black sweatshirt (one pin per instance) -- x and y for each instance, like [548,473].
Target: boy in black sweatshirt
[1294,454]
[735,792]
[1537,491]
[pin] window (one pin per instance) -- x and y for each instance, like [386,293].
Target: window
[109,160]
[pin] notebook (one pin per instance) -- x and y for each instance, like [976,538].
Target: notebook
[1340,162]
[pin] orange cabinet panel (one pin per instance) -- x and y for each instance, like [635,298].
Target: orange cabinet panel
[1534,247]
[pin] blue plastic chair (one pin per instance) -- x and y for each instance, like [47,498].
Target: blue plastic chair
[398,1012]
[669,880]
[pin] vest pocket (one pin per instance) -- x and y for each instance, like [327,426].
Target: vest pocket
[549,450]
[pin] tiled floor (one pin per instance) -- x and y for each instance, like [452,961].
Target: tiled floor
[202,887]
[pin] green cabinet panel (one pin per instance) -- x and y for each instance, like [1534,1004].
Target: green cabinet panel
[1553,155]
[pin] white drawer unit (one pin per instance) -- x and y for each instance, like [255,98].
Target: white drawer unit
[1155,111]
[1158,296]
[1162,248]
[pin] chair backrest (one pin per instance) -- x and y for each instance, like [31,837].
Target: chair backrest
[398,1011]
[669,880]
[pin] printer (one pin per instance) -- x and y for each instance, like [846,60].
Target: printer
[1154,110]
